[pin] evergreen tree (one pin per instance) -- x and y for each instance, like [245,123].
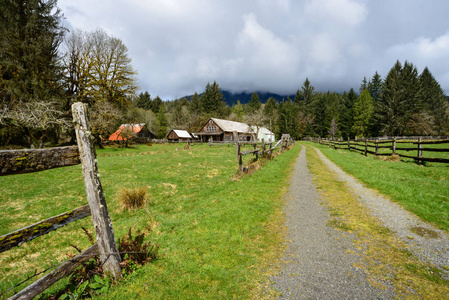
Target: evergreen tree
[156,105]
[254,104]
[31,94]
[238,110]
[288,119]
[364,85]
[194,104]
[363,113]
[270,111]
[399,104]
[375,86]
[308,91]
[162,123]
[144,101]
[434,100]
[347,116]
[211,102]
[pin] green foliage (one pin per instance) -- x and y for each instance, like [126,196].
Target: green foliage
[363,113]
[135,252]
[254,105]
[211,101]
[162,123]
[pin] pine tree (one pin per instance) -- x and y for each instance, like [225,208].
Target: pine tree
[144,101]
[254,104]
[363,113]
[30,87]
[375,86]
[434,101]
[211,102]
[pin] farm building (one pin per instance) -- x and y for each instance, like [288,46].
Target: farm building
[265,134]
[222,130]
[177,135]
[127,130]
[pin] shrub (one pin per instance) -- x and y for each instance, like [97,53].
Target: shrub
[133,198]
[135,252]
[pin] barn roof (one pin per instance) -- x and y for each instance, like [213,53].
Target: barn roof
[136,128]
[231,126]
[183,134]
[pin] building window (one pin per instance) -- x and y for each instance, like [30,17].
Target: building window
[211,128]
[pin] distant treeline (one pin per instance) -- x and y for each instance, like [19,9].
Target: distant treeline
[44,68]
[402,103]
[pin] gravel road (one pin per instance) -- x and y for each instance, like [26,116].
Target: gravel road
[318,262]
[426,241]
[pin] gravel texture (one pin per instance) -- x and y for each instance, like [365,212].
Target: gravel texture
[426,241]
[318,263]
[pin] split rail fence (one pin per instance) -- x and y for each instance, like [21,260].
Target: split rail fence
[105,247]
[283,143]
[397,146]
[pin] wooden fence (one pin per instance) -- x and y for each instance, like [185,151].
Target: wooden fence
[397,146]
[283,143]
[106,246]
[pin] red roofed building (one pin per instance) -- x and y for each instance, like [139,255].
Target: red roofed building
[125,131]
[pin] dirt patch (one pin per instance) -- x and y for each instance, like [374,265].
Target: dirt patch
[425,232]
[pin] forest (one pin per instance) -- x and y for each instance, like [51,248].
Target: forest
[45,68]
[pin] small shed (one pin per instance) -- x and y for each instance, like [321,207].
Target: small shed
[223,131]
[265,134]
[139,130]
[178,135]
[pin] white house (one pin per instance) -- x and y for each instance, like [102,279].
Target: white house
[265,134]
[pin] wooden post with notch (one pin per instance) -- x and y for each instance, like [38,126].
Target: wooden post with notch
[110,258]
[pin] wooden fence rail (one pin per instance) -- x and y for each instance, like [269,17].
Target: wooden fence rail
[283,143]
[106,246]
[31,232]
[370,146]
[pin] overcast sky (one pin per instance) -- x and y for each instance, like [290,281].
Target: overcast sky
[178,46]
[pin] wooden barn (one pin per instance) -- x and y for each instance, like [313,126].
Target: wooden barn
[223,130]
[140,131]
[178,135]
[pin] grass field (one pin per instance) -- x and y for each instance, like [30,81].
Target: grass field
[423,190]
[218,233]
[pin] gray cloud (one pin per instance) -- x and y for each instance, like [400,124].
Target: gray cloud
[178,46]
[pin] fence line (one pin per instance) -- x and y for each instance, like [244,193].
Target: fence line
[105,246]
[370,146]
[283,143]
[31,232]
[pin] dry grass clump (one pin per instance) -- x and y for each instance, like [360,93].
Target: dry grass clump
[393,157]
[132,198]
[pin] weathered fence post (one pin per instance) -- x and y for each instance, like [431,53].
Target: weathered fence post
[110,258]
[366,147]
[237,150]
[377,147]
[419,149]
[263,147]
[356,143]
[394,146]
[349,144]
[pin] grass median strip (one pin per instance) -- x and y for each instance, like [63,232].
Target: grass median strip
[423,190]
[385,258]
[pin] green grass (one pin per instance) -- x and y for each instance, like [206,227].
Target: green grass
[423,190]
[218,233]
